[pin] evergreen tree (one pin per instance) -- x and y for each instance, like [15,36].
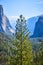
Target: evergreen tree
[23,53]
[5,51]
[35,53]
[40,54]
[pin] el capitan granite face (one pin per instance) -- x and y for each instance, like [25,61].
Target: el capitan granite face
[5,26]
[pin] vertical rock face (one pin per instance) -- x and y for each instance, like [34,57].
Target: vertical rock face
[1,10]
[4,23]
[1,15]
[38,30]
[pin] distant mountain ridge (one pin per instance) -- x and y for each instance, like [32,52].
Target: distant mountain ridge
[35,25]
[38,30]
[4,23]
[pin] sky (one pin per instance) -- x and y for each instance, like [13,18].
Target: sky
[28,8]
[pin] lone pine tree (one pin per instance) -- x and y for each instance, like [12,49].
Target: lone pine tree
[24,54]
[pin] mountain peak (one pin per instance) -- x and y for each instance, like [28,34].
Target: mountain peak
[40,18]
[38,32]
[1,10]
[5,26]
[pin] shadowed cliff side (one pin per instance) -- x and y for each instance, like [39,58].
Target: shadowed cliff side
[38,31]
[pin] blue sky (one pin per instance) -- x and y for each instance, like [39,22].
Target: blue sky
[29,8]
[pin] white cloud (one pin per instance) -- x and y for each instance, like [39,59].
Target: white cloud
[26,17]
[12,17]
[40,2]
[16,17]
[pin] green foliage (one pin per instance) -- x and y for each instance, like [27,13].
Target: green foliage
[23,51]
[40,54]
[5,44]
[19,50]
